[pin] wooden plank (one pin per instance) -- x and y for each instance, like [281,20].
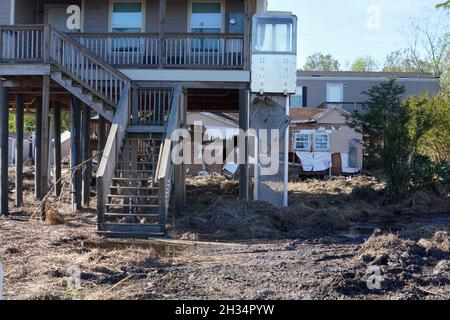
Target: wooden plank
[162,23]
[86,154]
[4,112]
[244,101]
[19,149]
[38,149]
[24,69]
[101,137]
[246,55]
[75,157]
[45,137]
[57,155]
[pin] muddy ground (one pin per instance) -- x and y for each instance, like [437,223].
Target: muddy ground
[338,240]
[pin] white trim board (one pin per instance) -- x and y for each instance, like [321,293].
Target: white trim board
[187,75]
[367,79]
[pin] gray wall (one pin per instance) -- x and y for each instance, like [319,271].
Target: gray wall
[353,88]
[96,13]
[5,11]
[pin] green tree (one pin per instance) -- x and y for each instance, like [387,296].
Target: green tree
[364,64]
[401,61]
[435,143]
[393,128]
[321,62]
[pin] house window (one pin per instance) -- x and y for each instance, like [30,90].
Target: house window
[297,100]
[335,92]
[274,35]
[301,141]
[321,142]
[206,17]
[127,17]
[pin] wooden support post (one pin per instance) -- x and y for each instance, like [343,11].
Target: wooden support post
[86,154]
[247,34]
[57,155]
[162,42]
[38,149]
[180,170]
[75,156]
[101,138]
[4,114]
[135,105]
[244,101]
[45,137]
[19,149]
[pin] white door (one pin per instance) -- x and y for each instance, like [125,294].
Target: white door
[335,92]
[56,16]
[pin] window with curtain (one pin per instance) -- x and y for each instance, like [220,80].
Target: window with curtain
[321,142]
[126,17]
[301,141]
[274,35]
[206,17]
[335,92]
[297,99]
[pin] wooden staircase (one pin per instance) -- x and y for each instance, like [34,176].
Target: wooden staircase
[135,174]
[133,201]
[134,179]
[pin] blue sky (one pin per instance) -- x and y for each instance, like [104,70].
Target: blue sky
[351,28]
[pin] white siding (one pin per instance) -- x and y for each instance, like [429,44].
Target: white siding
[5,11]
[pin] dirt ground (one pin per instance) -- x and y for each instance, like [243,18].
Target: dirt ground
[337,240]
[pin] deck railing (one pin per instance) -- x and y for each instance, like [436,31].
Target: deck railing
[112,149]
[164,169]
[21,43]
[122,49]
[151,107]
[83,65]
[26,43]
[179,50]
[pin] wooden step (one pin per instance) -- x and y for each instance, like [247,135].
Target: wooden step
[133,188]
[125,196]
[121,170]
[132,215]
[131,205]
[132,179]
[132,230]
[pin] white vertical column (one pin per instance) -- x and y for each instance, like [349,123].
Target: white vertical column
[286,158]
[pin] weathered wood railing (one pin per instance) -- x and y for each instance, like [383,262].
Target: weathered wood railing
[181,50]
[152,106]
[122,49]
[84,66]
[190,50]
[21,43]
[164,169]
[178,50]
[112,151]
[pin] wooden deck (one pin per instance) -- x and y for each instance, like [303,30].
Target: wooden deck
[27,44]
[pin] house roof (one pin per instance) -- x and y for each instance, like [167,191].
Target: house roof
[308,115]
[352,74]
